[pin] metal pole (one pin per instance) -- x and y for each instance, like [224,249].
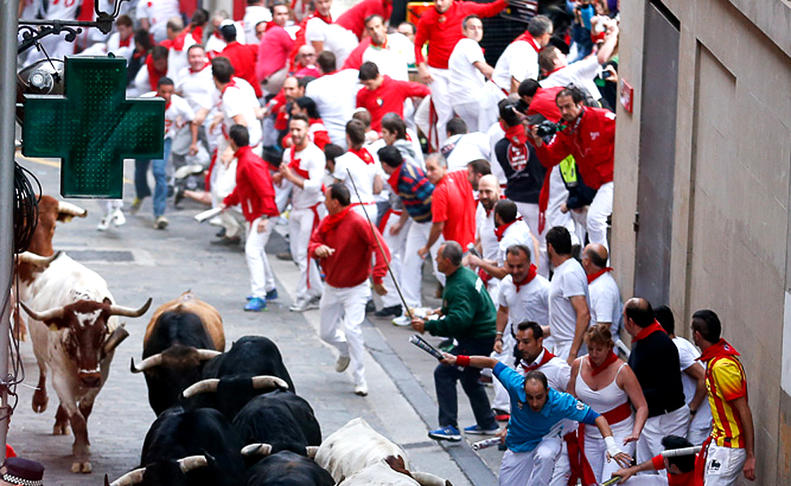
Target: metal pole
[8,43]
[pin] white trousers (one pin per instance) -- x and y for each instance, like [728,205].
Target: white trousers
[412,266]
[598,211]
[262,279]
[723,465]
[441,100]
[596,450]
[502,400]
[300,226]
[529,213]
[650,442]
[342,314]
[396,243]
[532,468]
[488,113]
[111,205]
[467,111]
[558,194]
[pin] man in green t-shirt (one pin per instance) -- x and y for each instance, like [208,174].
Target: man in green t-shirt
[468,316]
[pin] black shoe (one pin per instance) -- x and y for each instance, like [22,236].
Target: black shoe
[370,306]
[220,233]
[171,190]
[178,196]
[226,241]
[393,310]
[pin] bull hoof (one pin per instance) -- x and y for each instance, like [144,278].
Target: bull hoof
[40,401]
[81,467]
[61,429]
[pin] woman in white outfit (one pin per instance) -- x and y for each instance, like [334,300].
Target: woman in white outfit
[610,387]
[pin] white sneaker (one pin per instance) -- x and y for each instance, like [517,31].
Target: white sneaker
[361,389]
[118,217]
[402,321]
[103,224]
[342,363]
[303,305]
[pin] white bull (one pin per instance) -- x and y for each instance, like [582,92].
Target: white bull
[357,455]
[73,323]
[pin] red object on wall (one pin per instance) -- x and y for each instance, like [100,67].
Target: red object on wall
[188,7]
[627,96]
[238,9]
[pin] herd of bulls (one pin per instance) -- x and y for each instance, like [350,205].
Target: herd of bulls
[223,417]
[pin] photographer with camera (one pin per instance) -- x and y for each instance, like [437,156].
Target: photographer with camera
[589,135]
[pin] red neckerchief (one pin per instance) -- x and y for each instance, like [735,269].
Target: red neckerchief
[544,360]
[270,25]
[230,83]
[598,274]
[500,230]
[153,74]
[393,179]
[327,19]
[531,274]
[720,349]
[383,46]
[241,151]
[293,164]
[363,154]
[316,121]
[555,70]
[516,134]
[218,34]
[610,359]
[331,221]
[197,34]
[193,71]
[648,330]
[529,39]
[125,42]
[176,44]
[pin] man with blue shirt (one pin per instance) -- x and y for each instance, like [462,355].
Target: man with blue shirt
[533,438]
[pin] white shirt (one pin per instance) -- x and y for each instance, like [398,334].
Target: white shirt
[254,14]
[239,99]
[687,356]
[465,81]
[466,148]
[393,60]
[336,98]
[495,134]
[557,371]
[60,10]
[312,160]
[336,39]
[516,234]
[158,11]
[485,226]
[582,73]
[519,61]
[197,88]
[529,304]
[569,280]
[606,302]
[177,60]
[363,175]
[177,113]
[114,46]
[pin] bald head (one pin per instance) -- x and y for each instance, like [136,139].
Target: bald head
[637,314]
[488,191]
[594,258]
[306,55]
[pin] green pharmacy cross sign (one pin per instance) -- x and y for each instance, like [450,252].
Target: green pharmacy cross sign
[92,127]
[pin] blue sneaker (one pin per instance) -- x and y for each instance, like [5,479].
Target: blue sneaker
[478,430]
[449,433]
[255,305]
[271,295]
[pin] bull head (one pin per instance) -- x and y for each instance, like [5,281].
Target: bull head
[156,360]
[136,476]
[260,382]
[86,322]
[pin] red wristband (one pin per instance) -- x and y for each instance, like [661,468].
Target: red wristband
[462,360]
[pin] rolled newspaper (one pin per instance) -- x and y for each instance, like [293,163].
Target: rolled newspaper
[425,346]
[483,444]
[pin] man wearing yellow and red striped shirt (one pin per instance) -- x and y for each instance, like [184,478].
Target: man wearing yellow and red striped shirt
[730,447]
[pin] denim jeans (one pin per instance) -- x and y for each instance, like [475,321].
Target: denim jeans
[160,179]
[445,378]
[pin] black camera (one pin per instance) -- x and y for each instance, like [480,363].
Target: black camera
[547,129]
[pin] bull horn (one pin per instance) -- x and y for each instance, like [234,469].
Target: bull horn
[55,313]
[428,479]
[134,476]
[71,209]
[258,449]
[203,386]
[116,338]
[117,310]
[311,451]
[187,464]
[35,259]
[206,354]
[268,381]
[151,362]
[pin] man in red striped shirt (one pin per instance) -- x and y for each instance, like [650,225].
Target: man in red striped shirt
[344,243]
[441,28]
